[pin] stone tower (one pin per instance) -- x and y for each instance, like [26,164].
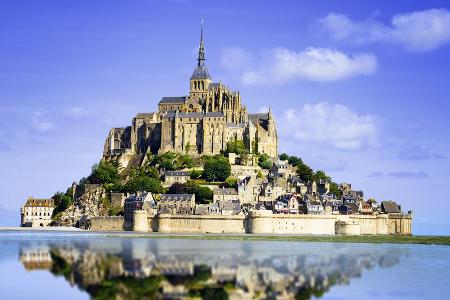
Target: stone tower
[200,79]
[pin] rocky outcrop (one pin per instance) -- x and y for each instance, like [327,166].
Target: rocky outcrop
[89,200]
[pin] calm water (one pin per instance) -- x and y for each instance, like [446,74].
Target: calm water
[51,265]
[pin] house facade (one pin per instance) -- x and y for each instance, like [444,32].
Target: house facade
[37,212]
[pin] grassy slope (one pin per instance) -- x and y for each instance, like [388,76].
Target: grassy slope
[391,239]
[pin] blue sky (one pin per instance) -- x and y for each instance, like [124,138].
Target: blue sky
[359,88]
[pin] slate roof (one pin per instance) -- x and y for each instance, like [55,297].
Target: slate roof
[213,85]
[201,72]
[201,209]
[194,115]
[354,207]
[164,210]
[177,173]
[225,191]
[390,207]
[260,119]
[172,100]
[260,116]
[233,205]
[144,115]
[176,197]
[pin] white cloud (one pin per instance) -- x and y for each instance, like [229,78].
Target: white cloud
[235,59]
[280,65]
[41,122]
[332,125]
[76,113]
[419,31]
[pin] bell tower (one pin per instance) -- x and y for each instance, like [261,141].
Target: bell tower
[200,79]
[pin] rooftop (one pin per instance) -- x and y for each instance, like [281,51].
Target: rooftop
[32,202]
[177,173]
[172,100]
[176,197]
[225,191]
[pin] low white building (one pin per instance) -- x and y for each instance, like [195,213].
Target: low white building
[37,212]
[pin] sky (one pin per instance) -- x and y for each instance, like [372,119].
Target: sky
[359,89]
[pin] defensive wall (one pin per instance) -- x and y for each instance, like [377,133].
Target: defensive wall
[265,222]
[107,223]
[261,222]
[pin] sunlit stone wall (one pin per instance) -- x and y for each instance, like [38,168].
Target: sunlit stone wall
[200,224]
[107,223]
[262,222]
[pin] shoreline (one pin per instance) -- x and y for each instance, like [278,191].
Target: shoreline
[374,239]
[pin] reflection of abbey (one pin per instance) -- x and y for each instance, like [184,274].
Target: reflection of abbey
[200,123]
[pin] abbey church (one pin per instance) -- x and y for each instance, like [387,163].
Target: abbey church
[200,123]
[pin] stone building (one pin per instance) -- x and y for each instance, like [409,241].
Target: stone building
[200,123]
[171,177]
[177,204]
[143,201]
[37,212]
[225,194]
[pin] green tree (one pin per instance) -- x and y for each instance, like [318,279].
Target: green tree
[62,201]
[177,188]
[264,161]
[320,175]
[334,189]
[143,183]
[165,161]
[235,146]
[196,174]
[105,172]
[295,161]
[184,161]
[217,168]
[305,172]
[203,194]
[284,156]
[231,182]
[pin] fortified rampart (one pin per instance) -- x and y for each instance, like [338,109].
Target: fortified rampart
[198,223]
[107,223]
[261,222]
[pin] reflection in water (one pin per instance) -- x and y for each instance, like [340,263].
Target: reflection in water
[178,269]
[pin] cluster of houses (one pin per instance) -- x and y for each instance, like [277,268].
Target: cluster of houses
[279,190]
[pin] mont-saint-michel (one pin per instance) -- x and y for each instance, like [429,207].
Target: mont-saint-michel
[202,163]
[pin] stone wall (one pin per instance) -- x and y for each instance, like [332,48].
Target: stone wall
[107,223]
[399,224]
[198,224]
[261,222]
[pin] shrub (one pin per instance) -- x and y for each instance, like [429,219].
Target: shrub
[143,183]
[236,146]
[217,168]
[264,161]
[105,172]
[196,174]
[284,156]
[231,182]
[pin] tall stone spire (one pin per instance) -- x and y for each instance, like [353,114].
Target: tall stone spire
[201,72]
[201,48]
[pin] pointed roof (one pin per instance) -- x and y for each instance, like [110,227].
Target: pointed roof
[201,72]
